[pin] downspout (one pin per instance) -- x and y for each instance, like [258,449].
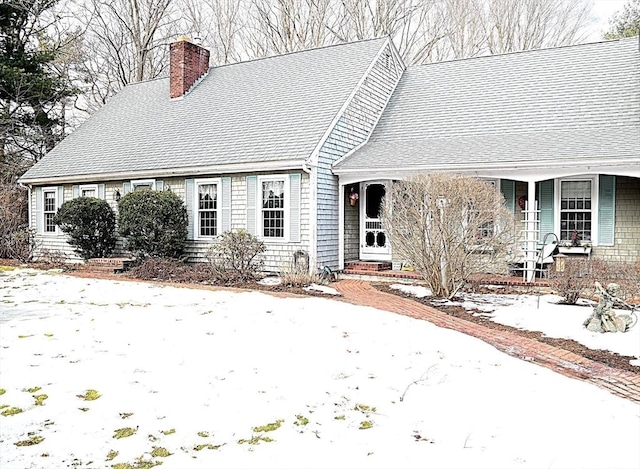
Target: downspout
[29,202]
[313,215]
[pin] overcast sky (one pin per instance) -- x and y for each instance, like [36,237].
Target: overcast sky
[602,11]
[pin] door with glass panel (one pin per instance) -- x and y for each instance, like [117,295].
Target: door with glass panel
[374,243]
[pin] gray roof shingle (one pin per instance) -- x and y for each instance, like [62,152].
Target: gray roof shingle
[265,110]
[576,103]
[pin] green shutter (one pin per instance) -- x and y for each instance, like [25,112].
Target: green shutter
[252,190]
[545,205]
[75,191]
[101,191]
[226,205]
[60,197]
[38,214]
[188,199]
[508,189]
[160,186]
[126,188]
[606,210]
[294,207]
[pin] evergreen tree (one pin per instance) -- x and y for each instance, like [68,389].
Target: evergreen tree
[32,93]
[625,23]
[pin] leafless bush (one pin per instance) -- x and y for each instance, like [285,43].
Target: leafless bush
[235,258]
[296,273]
[625,274]
[449,227]
[573,281]
[53,258]
[171,270]
[579,277]
[16,239]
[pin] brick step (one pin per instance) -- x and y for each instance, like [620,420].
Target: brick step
[108,264]
[382,273]
[369,266]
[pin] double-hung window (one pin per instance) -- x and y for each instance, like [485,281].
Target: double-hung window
[143,185]
[89,191]
[576,210]
[207,200]
[49,208]
[487,228]
[273,207]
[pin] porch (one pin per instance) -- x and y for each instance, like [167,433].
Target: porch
[384,272]
[601,210]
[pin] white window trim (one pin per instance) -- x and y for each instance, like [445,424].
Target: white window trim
[287,206]
[56,231]
[496,186]
[196,207]
[141,182]
[86,187]
[595,204]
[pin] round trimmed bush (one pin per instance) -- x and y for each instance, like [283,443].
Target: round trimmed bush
[90,224]
[154,223]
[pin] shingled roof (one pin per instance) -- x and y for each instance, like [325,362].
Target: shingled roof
[575,104]
[259,112]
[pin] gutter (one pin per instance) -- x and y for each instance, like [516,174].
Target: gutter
[246,167]
[510,166]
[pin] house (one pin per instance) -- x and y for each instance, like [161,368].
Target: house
[280,143]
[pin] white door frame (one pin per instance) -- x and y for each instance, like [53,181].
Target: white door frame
[372,226]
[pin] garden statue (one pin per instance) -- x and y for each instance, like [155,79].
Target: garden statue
[603,318]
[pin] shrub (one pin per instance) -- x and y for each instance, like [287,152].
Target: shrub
[154,223]
[625,274]
[16,239]
[171,270]
[236,257]
[575,280]
[579,277]
[90,224]
[448,227]
[296,272]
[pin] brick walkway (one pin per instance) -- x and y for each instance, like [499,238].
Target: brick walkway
[621,383]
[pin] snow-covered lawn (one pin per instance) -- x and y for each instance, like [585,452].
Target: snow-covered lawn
[227,379]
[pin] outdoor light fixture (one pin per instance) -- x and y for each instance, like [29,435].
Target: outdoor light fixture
[560,260]
[116,195]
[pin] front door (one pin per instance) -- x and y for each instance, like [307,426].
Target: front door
[374,244]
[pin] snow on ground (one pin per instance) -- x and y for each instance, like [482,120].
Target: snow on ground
[205,374]
[322,289]
[545,313]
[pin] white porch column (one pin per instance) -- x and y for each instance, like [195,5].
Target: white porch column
[341,226]
[531,239]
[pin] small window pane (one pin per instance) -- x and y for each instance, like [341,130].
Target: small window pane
[49,201]
[575,210]
[273,204]
[207,196]
[208,209]
[49,226]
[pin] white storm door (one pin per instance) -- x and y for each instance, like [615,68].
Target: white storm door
[374,243]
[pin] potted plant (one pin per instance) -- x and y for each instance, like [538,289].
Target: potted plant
[353,197]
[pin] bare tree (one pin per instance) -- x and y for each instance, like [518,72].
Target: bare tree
[218,25]
[448,227]
[516,25]
[464,22]
[125,42]
[282,26]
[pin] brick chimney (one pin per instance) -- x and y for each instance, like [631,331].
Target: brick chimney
[188,62]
